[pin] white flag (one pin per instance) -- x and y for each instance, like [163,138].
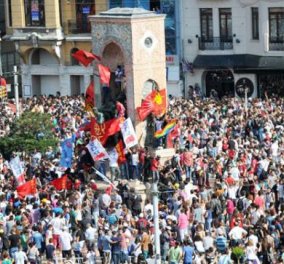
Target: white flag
[128,133]
[96,150]
[18,170]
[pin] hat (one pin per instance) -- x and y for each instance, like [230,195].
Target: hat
[140,215]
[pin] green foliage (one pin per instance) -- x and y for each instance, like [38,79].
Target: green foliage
[29,132]
[238,252]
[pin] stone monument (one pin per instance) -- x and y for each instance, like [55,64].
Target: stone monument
[135,39]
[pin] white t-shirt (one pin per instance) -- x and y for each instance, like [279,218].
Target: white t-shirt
[135,159]
[113,156]
[20,257]
[237,233]
[66,239]
[57,224]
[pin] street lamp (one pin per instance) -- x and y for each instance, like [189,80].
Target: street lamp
[155,195]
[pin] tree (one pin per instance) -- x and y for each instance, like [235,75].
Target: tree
[29,132]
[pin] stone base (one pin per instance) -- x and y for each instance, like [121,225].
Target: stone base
[165,154]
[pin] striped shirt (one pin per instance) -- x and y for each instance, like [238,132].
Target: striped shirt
[221,243]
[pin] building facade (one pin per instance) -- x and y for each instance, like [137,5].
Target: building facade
[45,34]
[234,46]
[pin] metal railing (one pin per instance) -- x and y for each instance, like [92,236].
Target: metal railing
[276,43]
[78,26]
[215,43]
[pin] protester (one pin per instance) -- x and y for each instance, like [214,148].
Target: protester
[222,190]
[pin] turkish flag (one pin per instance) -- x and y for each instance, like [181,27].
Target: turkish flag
[105,130]
[28,188]
[60,183]
[85,57]
[120,151]
[104,74]
[90,96]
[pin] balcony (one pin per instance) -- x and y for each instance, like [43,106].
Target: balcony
[78,27]
[215,43]
[276,44]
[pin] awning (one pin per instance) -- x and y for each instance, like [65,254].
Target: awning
[239,62]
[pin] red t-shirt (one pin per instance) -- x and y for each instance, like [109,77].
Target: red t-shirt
[155,165]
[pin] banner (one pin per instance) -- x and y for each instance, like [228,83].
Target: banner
[106,129]
[120,151]
[67,152]
[18,170]
[128,133]
[96,150]
[28,188]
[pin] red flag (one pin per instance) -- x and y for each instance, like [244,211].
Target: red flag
[103,131]
[27,188]
[172,135]
[85,57]
[90,97]
[155,102]
[159,99]
[120,151]
[145,109]
[104,74]
[60,183]
[109,190]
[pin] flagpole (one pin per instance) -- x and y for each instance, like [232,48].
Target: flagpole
[105,178]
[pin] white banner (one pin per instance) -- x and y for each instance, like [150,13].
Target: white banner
[128,133]
[18,170]
[96,150]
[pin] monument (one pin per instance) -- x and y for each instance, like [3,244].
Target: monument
[131,40]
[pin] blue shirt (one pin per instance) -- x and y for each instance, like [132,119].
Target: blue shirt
[106,243]
[38,239]
[188,253]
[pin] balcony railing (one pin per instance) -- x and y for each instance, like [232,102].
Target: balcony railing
[215,43]
[77,27]
[276,44]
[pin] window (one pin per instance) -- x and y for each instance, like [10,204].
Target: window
[9,13]
[84,8]
[34,13]
[225,18]
[206,23]
[255,23]
[276,24]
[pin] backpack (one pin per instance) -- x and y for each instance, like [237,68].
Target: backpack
[217,210]
[240,205]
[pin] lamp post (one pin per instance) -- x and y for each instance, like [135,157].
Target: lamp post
[16,86]
[156,222]
[1,72]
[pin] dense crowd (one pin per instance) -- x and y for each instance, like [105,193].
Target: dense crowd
[221,196]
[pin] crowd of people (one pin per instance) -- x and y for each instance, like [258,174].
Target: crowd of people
[221,196]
